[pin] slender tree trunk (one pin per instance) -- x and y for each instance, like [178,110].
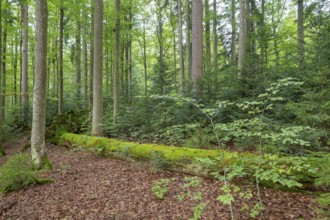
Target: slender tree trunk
[97,123]
[242,36]
[116,62]
[181,58]
[25,64]
[84,69]
[145,67]
[207,35]
[174,48]
[91,60]
[77,61]
[197,46]
[4,67]
[215,37]
[233,31]
[301,37]
[15,67]
[188,40]
[60,80]
[38,150]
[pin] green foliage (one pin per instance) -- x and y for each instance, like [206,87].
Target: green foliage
[198,211]
[257,209]
[2,151]
[160,188]
[17,173]
[191,182]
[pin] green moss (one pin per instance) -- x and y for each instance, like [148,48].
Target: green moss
[144,151]
[189,160]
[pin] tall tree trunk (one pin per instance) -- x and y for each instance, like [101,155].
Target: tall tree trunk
[84,68]
[181,58]
[77,61]
[215,36]
[207,36]
[301,37]
[174,48]
[233,31]
[25,63]
[97,123]
[188,39]
[243,28]
[116,62]
[145,67]
[60,77]
[38,150]
[4,66]
[197,46]
[91,60]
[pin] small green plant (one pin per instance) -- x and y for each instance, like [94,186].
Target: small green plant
[198,211]
[158,161]
[256,210]
[101,151]
[17,173]
[191,182]
[2,151]
[160,188]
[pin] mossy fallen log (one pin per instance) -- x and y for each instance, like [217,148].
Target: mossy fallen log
[272,170]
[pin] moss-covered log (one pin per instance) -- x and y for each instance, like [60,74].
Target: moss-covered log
[275,170]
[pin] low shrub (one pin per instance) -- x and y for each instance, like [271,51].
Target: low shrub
[17,173]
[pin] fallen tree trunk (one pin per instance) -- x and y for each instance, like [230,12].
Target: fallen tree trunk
[274,171]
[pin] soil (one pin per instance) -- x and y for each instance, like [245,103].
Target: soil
[87,186]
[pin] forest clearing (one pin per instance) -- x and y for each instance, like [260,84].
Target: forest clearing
[165,109]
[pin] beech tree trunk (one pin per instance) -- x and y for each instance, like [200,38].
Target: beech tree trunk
[243,28]
[215,36]
[181,58]
[301,37]
[233,31]
[116,62]
[77,61]
[207,36]
[197,46]
[60,77]
[188,39]
[38,150]
[25,63]
[91,59]
[97,122]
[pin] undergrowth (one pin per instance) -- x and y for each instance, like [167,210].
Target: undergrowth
[18,172]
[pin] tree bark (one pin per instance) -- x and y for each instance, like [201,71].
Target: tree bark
[207,36]
[215,37]
[38,150]
[301,37]
[188,39]
[91,60]
[97,123]
[233,31]
[25,63]
[242,36]
[116,62]
[60,77]
[77,60]
[181,58]
[197,46]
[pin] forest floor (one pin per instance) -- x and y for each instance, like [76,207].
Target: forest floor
[87,186]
